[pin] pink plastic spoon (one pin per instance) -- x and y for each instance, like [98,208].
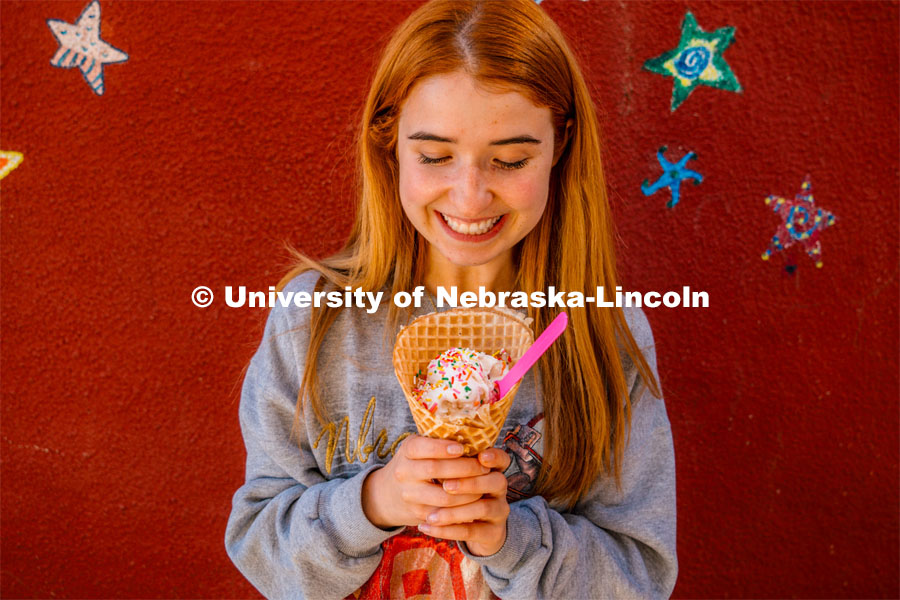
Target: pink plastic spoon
[531,356]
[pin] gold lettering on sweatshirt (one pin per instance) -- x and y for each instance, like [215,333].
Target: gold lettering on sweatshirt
[360,450]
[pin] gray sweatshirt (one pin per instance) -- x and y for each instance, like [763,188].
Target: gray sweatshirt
[297,528]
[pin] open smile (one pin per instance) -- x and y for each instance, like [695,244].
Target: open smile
[471,231]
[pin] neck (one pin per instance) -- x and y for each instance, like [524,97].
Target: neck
[496,276]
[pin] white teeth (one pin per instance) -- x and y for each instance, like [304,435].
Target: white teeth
[477,228]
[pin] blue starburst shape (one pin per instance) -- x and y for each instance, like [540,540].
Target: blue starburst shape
[80,46]
[672,176]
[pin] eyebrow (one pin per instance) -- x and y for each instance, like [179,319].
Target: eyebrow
[430,137]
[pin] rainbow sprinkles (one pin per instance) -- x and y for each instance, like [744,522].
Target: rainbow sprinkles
[458,385]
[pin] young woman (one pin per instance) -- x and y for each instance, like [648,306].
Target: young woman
[479,158]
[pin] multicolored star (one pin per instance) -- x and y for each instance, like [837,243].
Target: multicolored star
[8,162]
[672,176]
[696,61]
[80,46]
[801,223]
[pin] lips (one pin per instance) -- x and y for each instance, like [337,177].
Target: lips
[471,231]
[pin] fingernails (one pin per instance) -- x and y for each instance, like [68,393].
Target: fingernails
[425,528]
[451,485]
[433,518]
[488,455]
[455,449]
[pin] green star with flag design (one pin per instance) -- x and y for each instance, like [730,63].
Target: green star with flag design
[696,61]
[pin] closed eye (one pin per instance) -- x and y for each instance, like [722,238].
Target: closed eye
[514,165]
[427,160]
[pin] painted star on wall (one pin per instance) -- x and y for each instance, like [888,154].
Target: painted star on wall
[801,223]
[80,46]
[696,61]
[672,176]
[8,162]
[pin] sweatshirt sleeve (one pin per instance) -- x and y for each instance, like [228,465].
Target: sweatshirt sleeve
[616,543]
[291,533]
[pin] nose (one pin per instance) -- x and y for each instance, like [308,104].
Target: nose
[470,192]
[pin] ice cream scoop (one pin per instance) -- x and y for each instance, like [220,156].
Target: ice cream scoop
[460,382]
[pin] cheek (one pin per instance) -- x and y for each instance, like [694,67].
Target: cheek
[416,186]
[530,195]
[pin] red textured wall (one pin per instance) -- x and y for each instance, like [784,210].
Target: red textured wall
[228,130]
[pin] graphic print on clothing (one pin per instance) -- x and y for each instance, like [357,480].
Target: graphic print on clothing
[415,565]
[361,450]
[525,446]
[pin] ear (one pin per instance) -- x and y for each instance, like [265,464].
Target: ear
[562,143]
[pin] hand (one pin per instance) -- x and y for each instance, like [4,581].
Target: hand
[403,491]
[480,524]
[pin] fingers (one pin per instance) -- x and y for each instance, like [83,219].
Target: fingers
[432,496]
[494,458]
[429,469]
[459,531]
[492,484]
[425,459]
[482,539]
[418,447]
[492,510]
[402,492]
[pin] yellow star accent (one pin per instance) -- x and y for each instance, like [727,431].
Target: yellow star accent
[9,161]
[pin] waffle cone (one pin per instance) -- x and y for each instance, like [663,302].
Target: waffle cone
[483,329]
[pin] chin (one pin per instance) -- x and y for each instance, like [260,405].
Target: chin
[460,261]
[467,261]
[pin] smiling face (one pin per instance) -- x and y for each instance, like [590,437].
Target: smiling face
[474,170]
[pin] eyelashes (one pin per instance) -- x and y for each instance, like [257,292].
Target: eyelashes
[425,160]
[514,165]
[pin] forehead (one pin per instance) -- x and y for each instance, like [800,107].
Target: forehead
[456,104]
